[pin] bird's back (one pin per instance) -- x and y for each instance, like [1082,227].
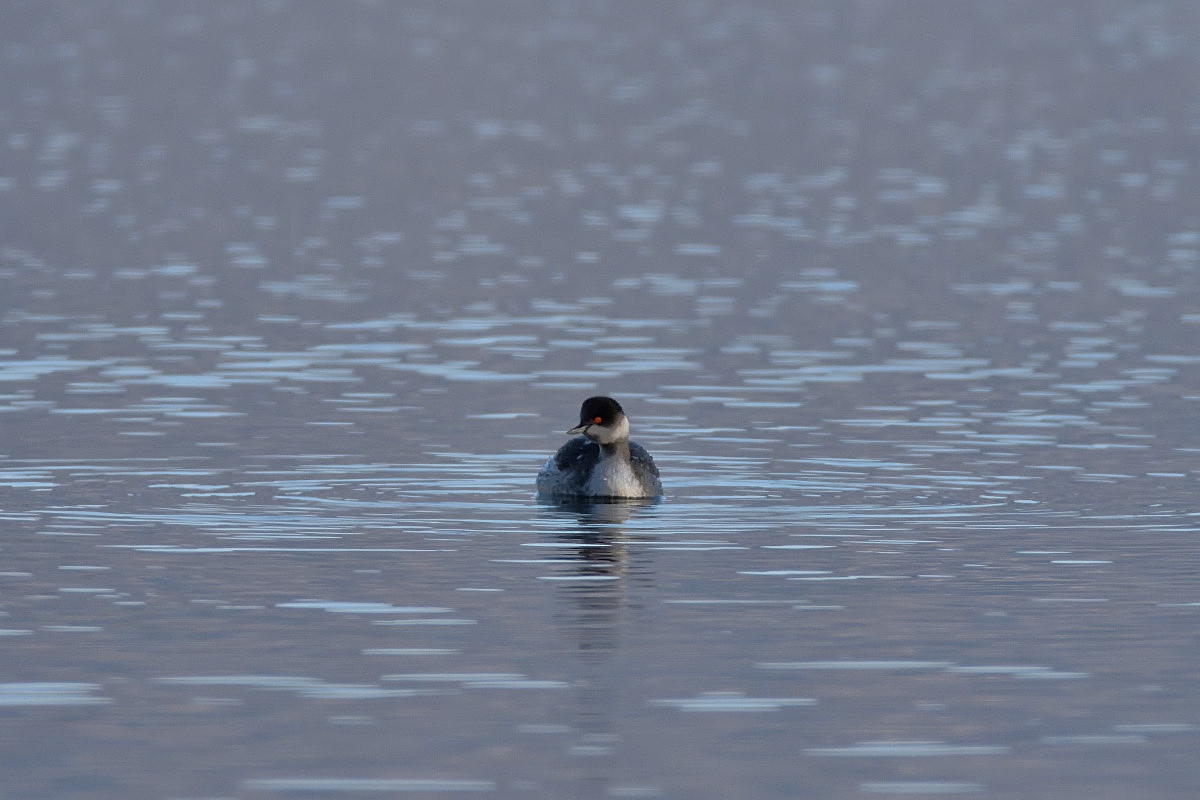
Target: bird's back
[580,468]
[644,468]
[568,470]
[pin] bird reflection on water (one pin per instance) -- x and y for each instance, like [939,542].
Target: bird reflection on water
[599,531]
[595,598]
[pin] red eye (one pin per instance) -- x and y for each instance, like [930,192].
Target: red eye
[598,420]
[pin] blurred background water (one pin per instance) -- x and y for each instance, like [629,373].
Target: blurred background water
[296,298]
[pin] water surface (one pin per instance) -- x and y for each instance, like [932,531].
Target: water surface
[297,300]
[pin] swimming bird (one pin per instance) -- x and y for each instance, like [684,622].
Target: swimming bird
[602,462]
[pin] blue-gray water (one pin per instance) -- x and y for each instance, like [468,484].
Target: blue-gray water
[297,297]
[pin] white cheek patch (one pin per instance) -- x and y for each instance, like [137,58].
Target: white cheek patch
[616,433]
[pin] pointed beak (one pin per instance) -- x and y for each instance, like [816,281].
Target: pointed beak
[580,428]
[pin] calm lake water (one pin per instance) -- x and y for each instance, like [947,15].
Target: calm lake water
[297,297]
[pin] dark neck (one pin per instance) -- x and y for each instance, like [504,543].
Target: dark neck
[618,449]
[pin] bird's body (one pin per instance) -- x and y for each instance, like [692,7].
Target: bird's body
[602,462]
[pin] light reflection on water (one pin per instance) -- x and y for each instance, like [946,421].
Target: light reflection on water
[905,320]
[765,597]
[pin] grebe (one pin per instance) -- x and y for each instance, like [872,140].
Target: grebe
[602,462]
